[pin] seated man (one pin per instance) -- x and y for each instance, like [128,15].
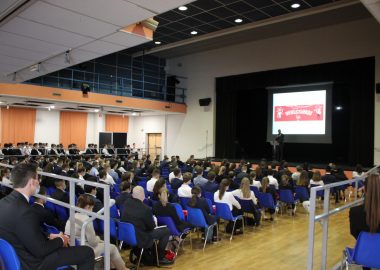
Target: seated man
[140,215]
[21,228]
[60,194]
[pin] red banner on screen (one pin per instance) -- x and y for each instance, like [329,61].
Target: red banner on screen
[299,113]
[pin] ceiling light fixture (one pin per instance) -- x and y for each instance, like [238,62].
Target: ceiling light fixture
[96,110]
[52,107]
[238,20]
[182,8]
[67,56]
[157,42]
[36,67]
[193,32]
[134,113]
[295,5]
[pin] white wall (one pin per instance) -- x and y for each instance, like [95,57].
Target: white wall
[95,124]
[47,126]
[328,44]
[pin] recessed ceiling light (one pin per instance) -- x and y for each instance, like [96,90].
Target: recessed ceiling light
[134,114]
[182,8]
[52,106]
[238,20]
[157,42]
[193,32]
[1,102]
[295,5]
[96,110]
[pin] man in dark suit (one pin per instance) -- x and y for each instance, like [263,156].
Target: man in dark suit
[140,215]
[328,178]
[243,173]
[280,147]
[21,228]
[211,185]
[124,195]
[60,194]
[91,190]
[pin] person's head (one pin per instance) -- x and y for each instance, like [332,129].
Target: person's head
[279,131]
[43,193]
[265,184]
[303,179]
[299,168]
[95,164]
[25,178]
[222,170]
[156,173]
[199,170]
[81,171]
[223,187]
[245,188]
[163,196]
[102,175]
[244,168]
[138,193]
[316,176]
[252,175]
[125,186]
[195,193]
[160,183]
[211,176]
[86,202]
[372,202]
[5,172]
[60,184]
[177,172]
[187,177]
[284,180]
[89,189]
[359,168]
[328,169]
[270,172]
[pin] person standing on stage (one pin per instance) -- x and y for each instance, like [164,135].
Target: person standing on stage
[280,147]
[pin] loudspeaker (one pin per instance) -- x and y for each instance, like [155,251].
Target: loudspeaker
[204,101]
[378,88]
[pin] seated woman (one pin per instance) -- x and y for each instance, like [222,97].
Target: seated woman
[303,180]
[253,180]
[158,186]
[164,209]
[245,193]
[197,201]
[86,202]
[286,184]
[265,188]
[316,180]
[366,217]
[223,196]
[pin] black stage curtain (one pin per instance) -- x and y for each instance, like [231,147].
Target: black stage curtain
[241,113]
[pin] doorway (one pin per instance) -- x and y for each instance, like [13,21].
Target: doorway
[154,144]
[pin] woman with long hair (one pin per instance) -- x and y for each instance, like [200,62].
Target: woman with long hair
[265,188]
[316,180]
[245,193]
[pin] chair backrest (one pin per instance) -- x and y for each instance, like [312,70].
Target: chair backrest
[8,256]
[246,205]
[367,251]
[223,211]
[210,196]
[255,190]
[302,194]
[286,196]
[61,212]
[179,210]
[50,229]
[113,212]
[320,193]
[113,230]
[210,205]
[127,233]
[184,201]
[266,200]
[168,221]
[195,217]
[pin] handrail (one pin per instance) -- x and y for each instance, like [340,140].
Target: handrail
[71,206]
[324,217]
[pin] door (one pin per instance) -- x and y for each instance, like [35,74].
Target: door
[154,145]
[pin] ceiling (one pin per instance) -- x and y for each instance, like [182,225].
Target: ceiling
[49,105]
[208,16]
[41,31]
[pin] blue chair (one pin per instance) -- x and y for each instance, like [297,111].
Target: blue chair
[114,213]
[210,196]
[210,206]
[365,253]
[286,197]
[302,194]
[143,185]
[113,229]
[179,210]
[266,200]
[50,190]
[127,234]
[50,206]
[61,212]
[255,190]
[50,229]
[223,211]
[195,217]
[168,221]
[184,202]
[8,256]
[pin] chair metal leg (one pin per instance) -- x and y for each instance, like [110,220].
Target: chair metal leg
[204,245]
[158,261]
[121,244]
[233,229]
[138,263]
[243,227]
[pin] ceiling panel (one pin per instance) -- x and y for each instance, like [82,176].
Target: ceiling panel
[112,11]
[14,61]
[67,20]
[102,47]
[21,53]
[29,43]
[160,6]
[124,39]
[46,33]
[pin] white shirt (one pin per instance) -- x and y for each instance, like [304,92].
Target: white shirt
[296,176]
[355,174]
[184,191]
[319,183]
[239,193]
[273,181]
[227,198]
[94,171]
[256,184]
[5,180]
[109,179]
[172,176]
[150,184]
[105,152]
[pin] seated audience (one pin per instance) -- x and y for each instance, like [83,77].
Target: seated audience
[21,228]
[140,215]
[198,202]
[60,193]
[286,184]
[125,194]
[211,185]
[199,180]
[158,187]
[175,174]
[153,180]
[92,240]
[185,190]
[177,181]
[272,181]
[253,180]
[245,193]
[266,188]
[316,180]
[91,191]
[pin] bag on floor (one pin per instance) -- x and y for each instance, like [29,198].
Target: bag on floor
[148,257]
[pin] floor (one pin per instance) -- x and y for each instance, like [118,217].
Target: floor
[281,244]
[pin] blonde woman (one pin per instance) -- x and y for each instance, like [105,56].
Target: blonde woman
[245,193]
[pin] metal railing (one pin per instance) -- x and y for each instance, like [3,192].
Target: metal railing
[323,218]
[73,208]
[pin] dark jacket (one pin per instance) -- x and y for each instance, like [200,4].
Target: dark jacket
[203,205]
[176,183]
[61,196]
[120,200]
[140,215]
[21,228]
[45,216]
[169,211]
[210,187]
